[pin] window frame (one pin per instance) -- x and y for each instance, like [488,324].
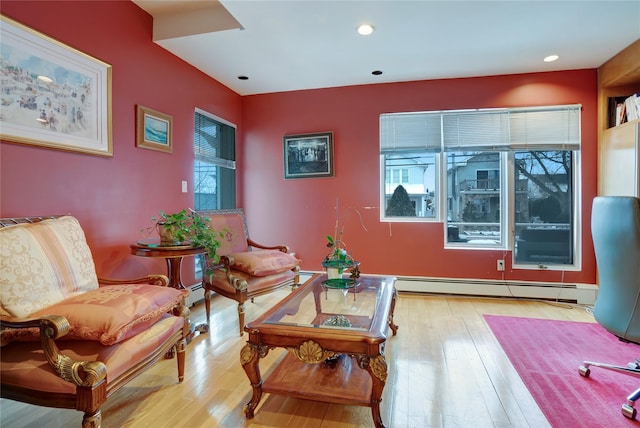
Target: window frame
[415,219]
[224,200]
[504,201]
[507,150]
[576,178]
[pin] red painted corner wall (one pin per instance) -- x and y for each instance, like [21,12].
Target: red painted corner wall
[301,212]
[114,198]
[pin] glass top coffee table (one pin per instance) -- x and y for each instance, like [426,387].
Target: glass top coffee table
[335,338]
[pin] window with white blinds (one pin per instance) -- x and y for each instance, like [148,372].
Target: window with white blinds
[214,164]
[496,178]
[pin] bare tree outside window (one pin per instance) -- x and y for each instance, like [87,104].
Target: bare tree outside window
[543,207]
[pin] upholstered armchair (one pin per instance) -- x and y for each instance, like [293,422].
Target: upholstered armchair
[246,269]
[615,227]
[69,339]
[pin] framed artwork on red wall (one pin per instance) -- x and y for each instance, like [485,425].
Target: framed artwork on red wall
[153,130]
[53,95]
[308,155]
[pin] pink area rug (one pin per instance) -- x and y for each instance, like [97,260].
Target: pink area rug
[546,354]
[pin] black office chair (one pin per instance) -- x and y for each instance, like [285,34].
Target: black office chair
[615,227]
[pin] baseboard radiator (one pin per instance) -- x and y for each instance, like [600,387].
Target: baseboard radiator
[196,294]
[583,294]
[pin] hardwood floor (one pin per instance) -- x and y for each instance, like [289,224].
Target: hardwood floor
[446,369]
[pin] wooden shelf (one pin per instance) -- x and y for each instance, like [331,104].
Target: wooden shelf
[623,69]
[618,77]
[618,148]
[345,383]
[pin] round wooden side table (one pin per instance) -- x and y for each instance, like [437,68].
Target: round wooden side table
[173,254]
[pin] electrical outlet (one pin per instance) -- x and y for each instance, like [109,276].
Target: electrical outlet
[500,265]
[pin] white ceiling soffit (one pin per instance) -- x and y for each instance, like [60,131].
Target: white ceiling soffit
[172,19]
[305,44]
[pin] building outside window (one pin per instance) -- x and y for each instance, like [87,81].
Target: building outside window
[475,207]
[413,173]
[399,176]
[487,179]
[507,180]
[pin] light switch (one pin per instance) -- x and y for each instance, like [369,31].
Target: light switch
[184,186]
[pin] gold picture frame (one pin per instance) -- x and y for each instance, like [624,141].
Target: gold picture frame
[153,130]
[54,96]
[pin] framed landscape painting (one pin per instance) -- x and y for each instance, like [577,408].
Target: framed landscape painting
[153,130]
[53,96]
[308,155]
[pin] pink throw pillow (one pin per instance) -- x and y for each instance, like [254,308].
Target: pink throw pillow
[109,314]
[263,262]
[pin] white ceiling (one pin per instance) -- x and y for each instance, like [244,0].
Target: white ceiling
[305,44]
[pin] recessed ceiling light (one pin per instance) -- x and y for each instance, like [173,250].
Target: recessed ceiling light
[365,29]
[551,58]
[243,77]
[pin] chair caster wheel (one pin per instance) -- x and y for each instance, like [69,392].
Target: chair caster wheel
[584,371]
[628,411]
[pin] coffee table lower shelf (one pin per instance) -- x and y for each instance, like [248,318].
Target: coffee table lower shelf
[344,383]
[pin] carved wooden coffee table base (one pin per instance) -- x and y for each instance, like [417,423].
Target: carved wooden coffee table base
[323,363]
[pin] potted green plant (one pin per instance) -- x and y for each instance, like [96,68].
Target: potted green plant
[188,227]
[338,259]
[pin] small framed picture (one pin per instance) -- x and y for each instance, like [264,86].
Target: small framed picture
[153,130]
[308,155]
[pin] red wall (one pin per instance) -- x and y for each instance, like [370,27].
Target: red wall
[301,212]
[114,198]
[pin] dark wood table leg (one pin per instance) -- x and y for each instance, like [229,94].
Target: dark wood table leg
[175,281]
[393,326]
[377,369]
[173,268]
[250,358]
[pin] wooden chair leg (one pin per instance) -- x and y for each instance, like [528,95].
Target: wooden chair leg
[241,317]
[92,420]
[207,303]
[181,348]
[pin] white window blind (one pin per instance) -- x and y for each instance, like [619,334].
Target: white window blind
[410,131]
[476,130]
[208,146]
[541,129]
[538,128]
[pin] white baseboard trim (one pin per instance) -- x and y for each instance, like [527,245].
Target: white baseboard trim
[582,294]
